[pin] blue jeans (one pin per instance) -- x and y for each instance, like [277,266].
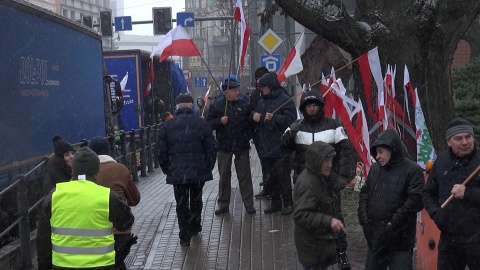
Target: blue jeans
[380,259]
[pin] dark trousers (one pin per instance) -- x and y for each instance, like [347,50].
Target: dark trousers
[279,183]
[264,176]
[244,176]
[394,259]
[120,241]
[455,256]
[189,208]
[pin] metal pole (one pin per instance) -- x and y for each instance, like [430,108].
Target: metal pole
[24,225]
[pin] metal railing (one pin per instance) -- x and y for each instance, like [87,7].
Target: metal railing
[141,141]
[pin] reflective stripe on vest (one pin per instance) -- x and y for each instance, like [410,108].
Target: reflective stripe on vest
[81,230]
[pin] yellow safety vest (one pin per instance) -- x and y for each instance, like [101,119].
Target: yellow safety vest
[81,231]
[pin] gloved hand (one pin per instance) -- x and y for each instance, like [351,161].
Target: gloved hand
[125,250]
[294,128]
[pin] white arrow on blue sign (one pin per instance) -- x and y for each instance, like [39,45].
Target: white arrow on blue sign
[123,23]
[201,82]
[271,62]
[186,19]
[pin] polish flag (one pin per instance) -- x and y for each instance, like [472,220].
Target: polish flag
[293,63]
[205,98]
[407,85]
[123,83]
[245,32]
[370,66]
[176,42]
[364,139]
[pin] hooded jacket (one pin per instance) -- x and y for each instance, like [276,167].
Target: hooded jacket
[391,197]
[267,134]
[187,149]
[315,204]
[459,220]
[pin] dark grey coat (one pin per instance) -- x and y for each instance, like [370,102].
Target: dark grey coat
[315,204]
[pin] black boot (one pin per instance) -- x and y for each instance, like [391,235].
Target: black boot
[343,261]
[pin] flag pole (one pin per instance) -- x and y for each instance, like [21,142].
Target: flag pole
[232,55]
[209,71]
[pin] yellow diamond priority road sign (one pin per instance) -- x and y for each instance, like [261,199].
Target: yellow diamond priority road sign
[270,41]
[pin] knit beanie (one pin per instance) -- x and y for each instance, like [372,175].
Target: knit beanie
[85,162]
[458,125]
[60,147]
[100,146]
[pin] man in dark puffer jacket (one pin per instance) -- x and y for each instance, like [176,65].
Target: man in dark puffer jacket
[388,205]
[187,154]
[459,220]
[274,113]
[315,126]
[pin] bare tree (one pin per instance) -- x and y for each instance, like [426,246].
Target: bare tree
[423,34]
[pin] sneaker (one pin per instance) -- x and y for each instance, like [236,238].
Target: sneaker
[287,210]
[221,210]
[343,261]
[261,195]
[251,210]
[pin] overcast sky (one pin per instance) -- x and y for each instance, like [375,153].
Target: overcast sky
[141,10]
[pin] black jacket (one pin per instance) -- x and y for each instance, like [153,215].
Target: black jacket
[391,197]
[187,150]
[459,221]
[267,134]
[236,135]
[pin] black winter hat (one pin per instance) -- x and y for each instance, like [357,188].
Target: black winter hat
[100,146]
[231,83]
[259,72]
[312,96]
[183,98]
[60,147]
[85,162]
[458,125]
[270,80]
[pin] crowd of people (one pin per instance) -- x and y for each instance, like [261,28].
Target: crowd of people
[189,145]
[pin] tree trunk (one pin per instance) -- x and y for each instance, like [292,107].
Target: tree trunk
[420,34]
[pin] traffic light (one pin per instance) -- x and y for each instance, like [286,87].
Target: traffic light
[87,21]
[162,20]
[106,23]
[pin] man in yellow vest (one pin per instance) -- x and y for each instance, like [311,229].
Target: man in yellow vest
[82,215]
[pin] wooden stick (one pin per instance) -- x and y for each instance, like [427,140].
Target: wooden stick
[463,184]
[232,55]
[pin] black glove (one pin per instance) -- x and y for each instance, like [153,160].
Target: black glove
[125,250]
[294,129]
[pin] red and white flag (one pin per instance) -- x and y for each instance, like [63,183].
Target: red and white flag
[364,139]
[176,42]
[370,65]
[293,63]
[245,32]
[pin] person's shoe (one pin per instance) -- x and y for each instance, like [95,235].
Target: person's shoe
[196,230]
[343,261]
[287,210]
[261,195]
[221,211]
[185,242]
[251,210]
[271,210]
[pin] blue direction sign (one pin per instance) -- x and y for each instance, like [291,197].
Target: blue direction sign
[271,62]
[123,23]
[201,82]
[186,19]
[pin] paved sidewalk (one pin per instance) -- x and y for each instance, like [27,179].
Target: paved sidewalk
[233,241]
